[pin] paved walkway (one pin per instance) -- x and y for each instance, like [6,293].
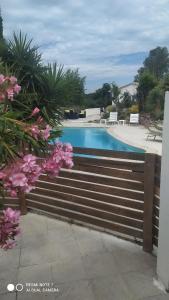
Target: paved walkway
[80,264]
[136,136]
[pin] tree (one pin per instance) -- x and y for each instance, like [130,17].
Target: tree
[146,83]
[100,98]
[115,93]
[157,63]
[89,101]
[48,87]
[3,46]
[127,100]
[1,26]
[25,60]
[155,102]
[71,89]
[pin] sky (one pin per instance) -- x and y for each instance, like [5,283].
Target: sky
[107,40]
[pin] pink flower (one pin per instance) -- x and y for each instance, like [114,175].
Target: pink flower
[17,88]
[39,120]
[68,147]
[2,78]
[13,80]
[13,193]
[10,93]
[11,215]
[2,175]
[35,112]
[9,245]
[9,229]
[18,179]
[2,97]
[35,131]
[46,132]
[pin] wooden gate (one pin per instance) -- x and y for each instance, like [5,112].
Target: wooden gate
[112,191]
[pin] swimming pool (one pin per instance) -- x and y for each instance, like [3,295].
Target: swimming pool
[94,138]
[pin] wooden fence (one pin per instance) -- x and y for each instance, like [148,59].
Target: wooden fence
[113,191]
[156,203]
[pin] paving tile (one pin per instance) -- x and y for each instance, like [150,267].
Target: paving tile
[35,274]
[38,273]
[9,259]
[89,246]
[113,243]
[60,234]
[8,296]
[140,261]
[141,284]
[160,297]
[68,250]
[68,272]
[80,290]
[32,223]
[81,232]
[111,288]
[7,277]
[89,241]
[57,224]
[99,265]
[33,240]
[40,254]
[35,296]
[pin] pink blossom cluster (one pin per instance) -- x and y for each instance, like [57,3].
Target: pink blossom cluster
[60,157]
[22,175]
[8,87]
[9,222]
[38,133]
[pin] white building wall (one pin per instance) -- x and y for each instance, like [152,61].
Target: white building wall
[163,247]
[92,112]
[130,88]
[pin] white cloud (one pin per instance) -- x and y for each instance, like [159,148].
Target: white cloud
[81,33]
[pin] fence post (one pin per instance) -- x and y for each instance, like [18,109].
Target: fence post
[149,173]
[22,203]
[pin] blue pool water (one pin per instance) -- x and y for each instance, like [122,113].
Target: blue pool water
[94,138]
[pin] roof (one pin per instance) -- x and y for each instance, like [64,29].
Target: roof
[132,83]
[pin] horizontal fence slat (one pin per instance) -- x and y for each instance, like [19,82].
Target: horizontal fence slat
[125,174]
[155,241]
[103,180]
[155,231]
[125,211]
[87,219]
[66,192]
[118,164]
[156,201]
[95,187]
[157,191]
[92,211]
[116,210]
[156,221]
[109,153]
[156,212]
[9,201]
[59,190]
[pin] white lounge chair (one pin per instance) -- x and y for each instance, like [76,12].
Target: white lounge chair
[112,118]
[134,119]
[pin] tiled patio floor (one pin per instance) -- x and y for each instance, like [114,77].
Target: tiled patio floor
[82,264]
